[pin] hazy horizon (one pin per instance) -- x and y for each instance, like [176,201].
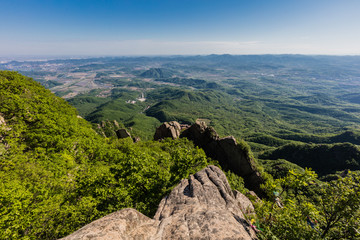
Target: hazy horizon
[197,27]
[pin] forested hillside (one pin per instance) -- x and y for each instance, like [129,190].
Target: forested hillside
[57,174]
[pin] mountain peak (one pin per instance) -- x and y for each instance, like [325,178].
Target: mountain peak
[201,206]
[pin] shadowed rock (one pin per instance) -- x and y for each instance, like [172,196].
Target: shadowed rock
[122,133]
[201,207]
[229,154]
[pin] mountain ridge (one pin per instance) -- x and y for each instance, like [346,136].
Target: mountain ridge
[57,174]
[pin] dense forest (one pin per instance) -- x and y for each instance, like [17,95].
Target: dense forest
[58,173]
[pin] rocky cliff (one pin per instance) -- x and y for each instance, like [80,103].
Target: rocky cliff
[226,150]
[200,207]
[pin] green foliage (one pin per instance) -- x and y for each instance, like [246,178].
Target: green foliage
[157,73]
[332,208]
[50,83]
[279,168]
[339,207]
[267,140]
[57,174]
[117,107]
[236,182]
[142,126]
[323,158]
[86,104]
[190,82]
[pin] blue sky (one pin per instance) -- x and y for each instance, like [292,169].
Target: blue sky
[166,27]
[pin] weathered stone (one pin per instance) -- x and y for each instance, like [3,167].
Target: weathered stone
[201,207]
[125,224]
[229,154]
[168,130]
[122,133]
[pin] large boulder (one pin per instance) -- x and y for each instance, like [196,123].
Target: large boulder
[168,130]
[201,207]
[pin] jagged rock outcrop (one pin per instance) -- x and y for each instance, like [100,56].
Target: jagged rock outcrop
[201,207]
[168,129]
[122,133]
[229,154]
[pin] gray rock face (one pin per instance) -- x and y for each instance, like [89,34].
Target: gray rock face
[170,129]
[229,154]
[201,207]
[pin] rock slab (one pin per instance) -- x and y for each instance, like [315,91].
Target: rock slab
[201,207]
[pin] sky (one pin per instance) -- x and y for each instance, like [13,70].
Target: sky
[178,27]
